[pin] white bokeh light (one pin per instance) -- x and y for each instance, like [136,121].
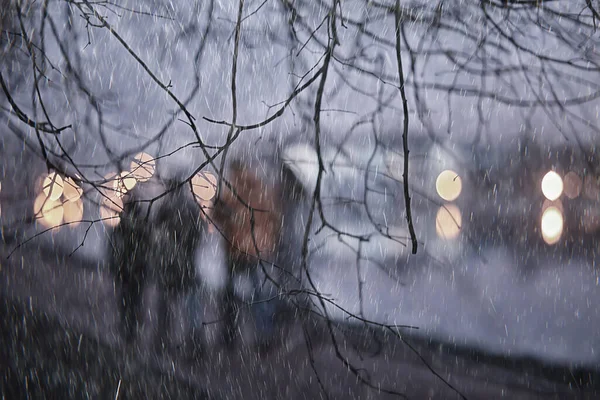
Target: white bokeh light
[142,167]
[48,212]
[72,192]
[448,185]
[73,212]
[552,225]
[204,185]
[123,183]
[448,221]
[552,185]
[53,186]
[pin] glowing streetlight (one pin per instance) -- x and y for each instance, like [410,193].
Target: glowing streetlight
[124,183]
[142,167]
[204,185]
[48,212]
[552,185]
[552,225]
[53,186]
[448,221]
[448,185]
[73,212]
[72,191]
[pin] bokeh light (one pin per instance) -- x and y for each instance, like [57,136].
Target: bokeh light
[48,212]
[53,186]
[72,192]
[552,185]
[124,183]
[142,167]
[204,185]
[552,225]
[448,185]
[110,209]
[572,185]
[73,212]
[448,221]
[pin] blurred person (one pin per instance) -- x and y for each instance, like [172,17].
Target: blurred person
[155,242]
[128,259]
[256,214]
[176,233]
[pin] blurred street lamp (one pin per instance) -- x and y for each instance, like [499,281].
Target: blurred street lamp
[552,225]
[552,185]
[142,167]
[48,212]
[448,221]
[53,186]
[448,185]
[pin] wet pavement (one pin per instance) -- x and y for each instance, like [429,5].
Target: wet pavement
[59,335]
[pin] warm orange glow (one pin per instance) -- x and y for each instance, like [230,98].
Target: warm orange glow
[204,185]
[552,185]
[572,185]
[142,167]
[73,212]
[110,209]
[48,212]
[72,191]
[53,186]
[552,225]
[448,185]
[448,221]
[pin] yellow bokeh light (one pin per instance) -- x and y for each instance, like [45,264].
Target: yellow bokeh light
[72,191]
[204,185]
[448,185]
[48,212]
[142,167]
[110,209]
[552,225]
[73,212]
[572,185]
[124,183]
[53,186]
[552,185]
[448,221]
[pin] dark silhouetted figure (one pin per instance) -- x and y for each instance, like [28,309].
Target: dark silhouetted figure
[157,246]
[175,235]
[128,258]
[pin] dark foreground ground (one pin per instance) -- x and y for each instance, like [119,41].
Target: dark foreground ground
[58,342]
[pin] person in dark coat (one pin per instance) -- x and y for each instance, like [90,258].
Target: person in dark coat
[127,257]
[156,245]
[175,235]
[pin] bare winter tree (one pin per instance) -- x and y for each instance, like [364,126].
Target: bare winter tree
[310,132]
